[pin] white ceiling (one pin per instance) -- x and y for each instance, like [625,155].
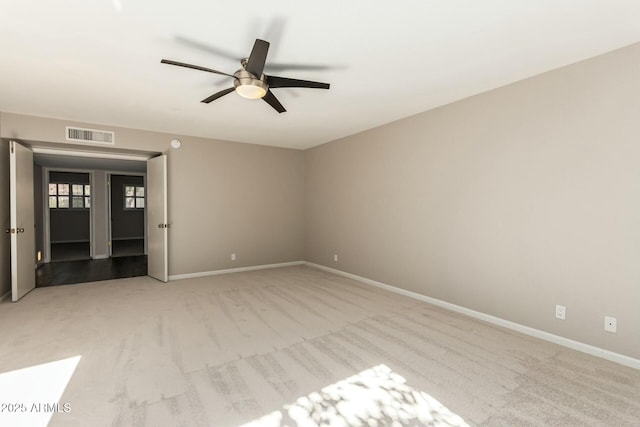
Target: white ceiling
[99,61]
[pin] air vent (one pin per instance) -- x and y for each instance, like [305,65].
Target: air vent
[90,135]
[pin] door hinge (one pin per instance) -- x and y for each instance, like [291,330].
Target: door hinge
[12,144]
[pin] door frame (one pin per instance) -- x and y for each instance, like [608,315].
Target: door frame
[122,154]
[46,226]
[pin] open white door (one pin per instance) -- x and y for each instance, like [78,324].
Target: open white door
[157,223]
[23,243]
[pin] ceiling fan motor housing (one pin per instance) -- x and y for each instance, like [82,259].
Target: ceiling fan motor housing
[249,86]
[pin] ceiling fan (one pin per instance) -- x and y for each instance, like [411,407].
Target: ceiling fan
[250,82]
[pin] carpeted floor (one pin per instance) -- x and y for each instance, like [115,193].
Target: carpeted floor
[290,346]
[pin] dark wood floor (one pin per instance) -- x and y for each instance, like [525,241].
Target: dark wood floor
[70,251]
[92,270]
[80,250]
[127,247]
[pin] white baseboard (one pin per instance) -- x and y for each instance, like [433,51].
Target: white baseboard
[234,270]
[100,256]
[5,297]
[556,339]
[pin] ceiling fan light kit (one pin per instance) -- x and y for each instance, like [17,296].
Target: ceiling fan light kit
[247,86]
[249,82]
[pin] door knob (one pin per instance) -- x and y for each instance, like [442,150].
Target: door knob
[20,230]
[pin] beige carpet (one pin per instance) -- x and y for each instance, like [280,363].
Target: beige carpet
[291,346]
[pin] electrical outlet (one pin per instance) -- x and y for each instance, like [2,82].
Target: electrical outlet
[610,324]
[335,257]
[561,311]
[233,257]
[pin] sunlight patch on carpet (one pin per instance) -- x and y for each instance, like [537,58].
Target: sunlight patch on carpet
[374,397]
[30,396]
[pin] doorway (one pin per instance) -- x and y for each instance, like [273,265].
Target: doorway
[129,259]
[127,215]
[69,214]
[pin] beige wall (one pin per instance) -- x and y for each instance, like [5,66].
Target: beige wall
[240,198]
[5,219]
[507,203]
[224,197]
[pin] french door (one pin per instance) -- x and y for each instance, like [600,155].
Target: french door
[157,222]
[22,228]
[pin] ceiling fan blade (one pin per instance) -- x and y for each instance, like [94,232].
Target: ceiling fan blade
[283,66]
[208,48]
[271,99]
[258,57]
[195,67]
[218,95]
[276,82]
